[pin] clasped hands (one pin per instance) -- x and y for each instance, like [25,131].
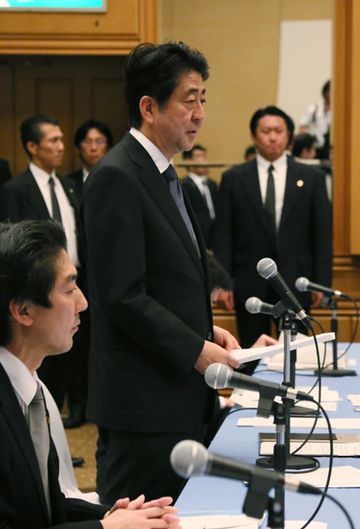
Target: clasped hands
[138,514]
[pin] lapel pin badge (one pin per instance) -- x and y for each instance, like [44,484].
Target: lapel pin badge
[300,183]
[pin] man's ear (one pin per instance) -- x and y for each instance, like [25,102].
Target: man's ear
[32,147]
[147,106]
[21,312]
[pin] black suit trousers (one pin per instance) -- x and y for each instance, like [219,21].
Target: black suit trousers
[130,464]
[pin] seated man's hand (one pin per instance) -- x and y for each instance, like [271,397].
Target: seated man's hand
[222,299]
[140,503]
[264,340]
[141,518]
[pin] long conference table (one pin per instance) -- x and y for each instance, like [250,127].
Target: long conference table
[206,495]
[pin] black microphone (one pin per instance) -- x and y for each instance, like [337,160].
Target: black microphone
[267,269]
[303,285]
[190,458]
[220,376]
[256,306]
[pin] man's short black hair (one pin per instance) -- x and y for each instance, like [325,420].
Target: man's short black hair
[28,255]
[251,149]
[301,142]
[155,69]
[83,129]
[30,129]
[187,155]
[325,88]
[272,111]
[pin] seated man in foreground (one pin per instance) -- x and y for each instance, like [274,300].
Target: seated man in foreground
[40,307]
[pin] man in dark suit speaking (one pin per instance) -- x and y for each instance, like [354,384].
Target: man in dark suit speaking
[153,334]
[40,308]
[272,207]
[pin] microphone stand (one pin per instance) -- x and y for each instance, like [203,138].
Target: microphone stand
[282,419]
[296,409]
[334,371]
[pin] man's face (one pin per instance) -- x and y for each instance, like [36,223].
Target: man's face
[199,156]
[92,148]
[271,137]
[48,154]
[53,328]
[176,124]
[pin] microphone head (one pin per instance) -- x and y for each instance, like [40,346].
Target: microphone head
[266,268]
[253,305]
[302,284]
[217,375]
[189,458]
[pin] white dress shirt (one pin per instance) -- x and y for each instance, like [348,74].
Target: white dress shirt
[25,386]
[161,162]
[280,170]
[200,182]
[67,211]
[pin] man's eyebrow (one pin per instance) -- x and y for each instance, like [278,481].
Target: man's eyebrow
[71,277]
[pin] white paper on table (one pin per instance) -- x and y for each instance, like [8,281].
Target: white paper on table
[297,524]
[355,400]
[306,357]
[250,400]
[345,445]
[257,353]
[341,477]
[302,422]
[225,521]
[327,395]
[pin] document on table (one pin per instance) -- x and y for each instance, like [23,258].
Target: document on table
[225,521]
[257,353]
[250,399]
[306,357]
[237,521]
[302,422]
[345,445]
[355,400]
[341,477]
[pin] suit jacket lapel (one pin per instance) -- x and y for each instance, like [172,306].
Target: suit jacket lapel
[293,174]
[159,191]
[17,423]
[254,193]
[34,195]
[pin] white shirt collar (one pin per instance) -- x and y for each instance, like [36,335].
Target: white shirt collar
[41,176]
[23,382]
[161,162]
[85,173]
[199,180]
[278,164]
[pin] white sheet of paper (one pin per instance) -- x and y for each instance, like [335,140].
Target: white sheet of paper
[225,521]
[297,524]
[302,422]
[346,445]
[341,477]
[250,399]
[257,353]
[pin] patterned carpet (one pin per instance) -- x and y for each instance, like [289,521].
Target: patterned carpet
[82,442]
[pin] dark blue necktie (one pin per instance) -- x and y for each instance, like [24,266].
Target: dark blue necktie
[176,191]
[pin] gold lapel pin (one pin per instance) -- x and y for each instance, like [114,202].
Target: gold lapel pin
[300,183]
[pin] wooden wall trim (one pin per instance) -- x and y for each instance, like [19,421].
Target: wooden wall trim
[116,32]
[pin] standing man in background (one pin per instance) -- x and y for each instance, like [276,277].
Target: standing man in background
[272,207]
[92,139]
[201,191]
[152,329]
[40,193]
